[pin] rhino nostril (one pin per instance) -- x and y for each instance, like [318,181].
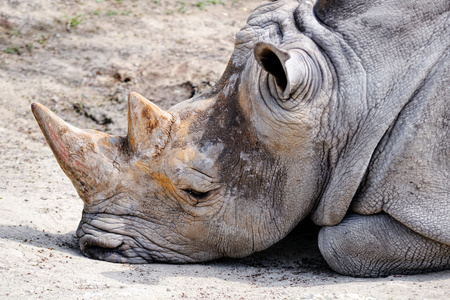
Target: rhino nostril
[112,248]
[105,247]
[103,241]
[101,253]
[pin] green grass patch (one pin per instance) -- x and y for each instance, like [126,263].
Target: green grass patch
[12,50]
[29,47]
[42,39]
[14,33]
[111,13]
[205,3]
[75,21]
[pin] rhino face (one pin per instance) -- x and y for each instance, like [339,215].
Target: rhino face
[227,173]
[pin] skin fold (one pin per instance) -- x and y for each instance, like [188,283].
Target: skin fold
[332,110]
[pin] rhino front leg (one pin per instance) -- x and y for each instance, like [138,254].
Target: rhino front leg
[378,245]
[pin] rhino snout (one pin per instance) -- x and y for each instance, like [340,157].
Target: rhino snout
[109,247]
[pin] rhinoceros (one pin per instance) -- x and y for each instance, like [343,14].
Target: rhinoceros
[331,110]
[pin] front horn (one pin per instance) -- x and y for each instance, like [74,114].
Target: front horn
[84,155]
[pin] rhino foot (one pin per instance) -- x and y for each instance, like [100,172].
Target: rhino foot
[378,245]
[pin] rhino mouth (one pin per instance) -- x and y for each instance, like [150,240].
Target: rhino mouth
[120,248]
[102,237]
[111,248]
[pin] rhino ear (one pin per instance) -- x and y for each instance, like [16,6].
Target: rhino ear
[273,61]
[148,126]
[294,72]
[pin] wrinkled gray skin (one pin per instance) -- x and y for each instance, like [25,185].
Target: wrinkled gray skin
[336,110]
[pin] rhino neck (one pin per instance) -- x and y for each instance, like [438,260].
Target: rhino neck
[381,53]
[264,198]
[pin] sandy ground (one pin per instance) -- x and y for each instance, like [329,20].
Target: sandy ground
[81,59]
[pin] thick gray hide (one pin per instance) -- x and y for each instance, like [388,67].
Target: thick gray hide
[399,93]
[394,91]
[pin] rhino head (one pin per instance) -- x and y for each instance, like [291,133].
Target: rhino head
[226,173]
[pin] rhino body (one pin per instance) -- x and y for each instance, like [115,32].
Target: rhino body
[336,111]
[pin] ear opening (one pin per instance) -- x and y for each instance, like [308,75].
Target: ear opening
[273,60]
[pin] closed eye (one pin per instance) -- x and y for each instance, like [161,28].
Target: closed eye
[197,194]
